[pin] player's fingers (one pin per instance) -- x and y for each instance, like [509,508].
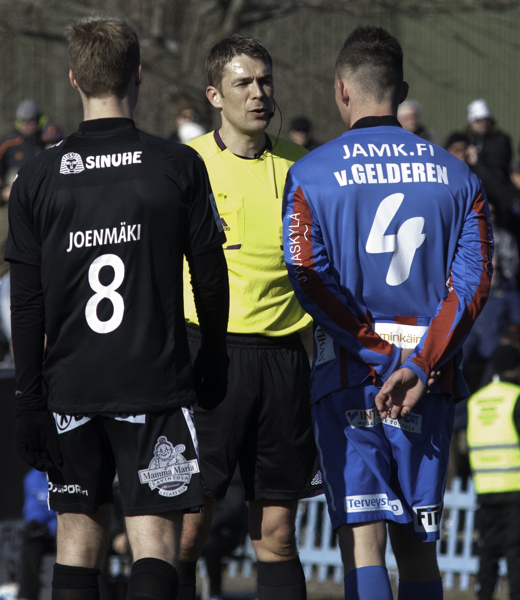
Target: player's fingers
[395,412]
[380,401]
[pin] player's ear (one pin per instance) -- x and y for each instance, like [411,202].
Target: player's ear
[213,95]
[138,75]
[404,91]
[72,80]
[342,91]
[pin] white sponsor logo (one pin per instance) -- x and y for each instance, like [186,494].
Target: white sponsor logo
[371,418]
[71,163]
[324,346]
[372,503]
[169,471]
[317,479]
[297,234]
[69,422]
[141,419]
[427,518]
[61,488]
[102,161]
[403,336]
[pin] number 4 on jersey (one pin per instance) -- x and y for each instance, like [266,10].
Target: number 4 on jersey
[403,245]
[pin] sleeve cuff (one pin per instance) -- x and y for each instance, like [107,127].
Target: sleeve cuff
[423,377]
[391,364]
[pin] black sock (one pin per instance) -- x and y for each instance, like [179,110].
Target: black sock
[187,580]
[153,579]
[74,583]
[283,580]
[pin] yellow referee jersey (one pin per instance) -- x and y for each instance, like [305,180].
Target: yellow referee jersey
[249,194]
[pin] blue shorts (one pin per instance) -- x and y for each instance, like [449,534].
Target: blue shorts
[392,470]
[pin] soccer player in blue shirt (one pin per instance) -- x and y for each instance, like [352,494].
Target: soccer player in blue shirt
[388,243]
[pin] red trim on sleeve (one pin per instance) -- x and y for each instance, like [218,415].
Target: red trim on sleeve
[318,292]
[441,324]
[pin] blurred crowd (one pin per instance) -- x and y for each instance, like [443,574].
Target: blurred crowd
[480,143]
[487,150]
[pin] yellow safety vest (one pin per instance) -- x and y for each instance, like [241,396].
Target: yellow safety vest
[493,441]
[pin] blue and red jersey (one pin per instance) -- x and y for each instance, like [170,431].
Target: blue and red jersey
[388,244]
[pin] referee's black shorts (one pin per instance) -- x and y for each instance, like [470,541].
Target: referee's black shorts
[263,424]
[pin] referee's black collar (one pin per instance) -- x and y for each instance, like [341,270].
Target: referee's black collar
[94,125]
[376,122]
[220,143]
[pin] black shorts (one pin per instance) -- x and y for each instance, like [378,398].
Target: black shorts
[264,423]
[155,456]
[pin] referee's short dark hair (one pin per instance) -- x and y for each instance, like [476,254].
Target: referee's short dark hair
[233,45]
[103,54]
[373,59]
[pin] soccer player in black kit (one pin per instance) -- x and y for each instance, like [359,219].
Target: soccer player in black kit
[99,225]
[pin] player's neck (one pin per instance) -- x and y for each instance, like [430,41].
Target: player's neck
[108,108]
[371,110]
[249,145]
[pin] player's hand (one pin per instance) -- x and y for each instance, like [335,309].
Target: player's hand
[37,439]
[399,394]
[406,353]
[210,376]
[434,376]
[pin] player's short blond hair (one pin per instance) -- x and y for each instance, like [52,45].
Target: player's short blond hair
[103,53]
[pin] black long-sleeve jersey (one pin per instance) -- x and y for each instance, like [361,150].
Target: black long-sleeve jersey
[106,216]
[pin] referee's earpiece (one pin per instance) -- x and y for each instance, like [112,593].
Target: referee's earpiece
[271,114]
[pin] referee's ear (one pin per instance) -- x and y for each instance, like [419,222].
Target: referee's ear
[139,75]
[213,95]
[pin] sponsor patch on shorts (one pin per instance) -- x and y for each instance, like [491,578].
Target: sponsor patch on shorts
[372,503]
[62,488]
[427,518]
[69,422]
[371,418]
[169,472]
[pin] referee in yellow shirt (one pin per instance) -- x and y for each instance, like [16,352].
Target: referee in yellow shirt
[264,422]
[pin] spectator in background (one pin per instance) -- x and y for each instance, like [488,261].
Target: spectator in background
[187,127]
[300,133]
[494,451]
[502,308]
[5,281]
[457,144]
[490,153]
[39,535]
[25,143]
[52,133]
[409,115]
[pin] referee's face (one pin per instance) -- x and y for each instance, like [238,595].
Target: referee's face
[245,96]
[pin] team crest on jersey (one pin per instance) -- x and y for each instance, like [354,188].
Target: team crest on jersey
[168,471]
[71,163]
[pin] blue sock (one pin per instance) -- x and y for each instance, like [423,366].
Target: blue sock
[368,583]
[425,591]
